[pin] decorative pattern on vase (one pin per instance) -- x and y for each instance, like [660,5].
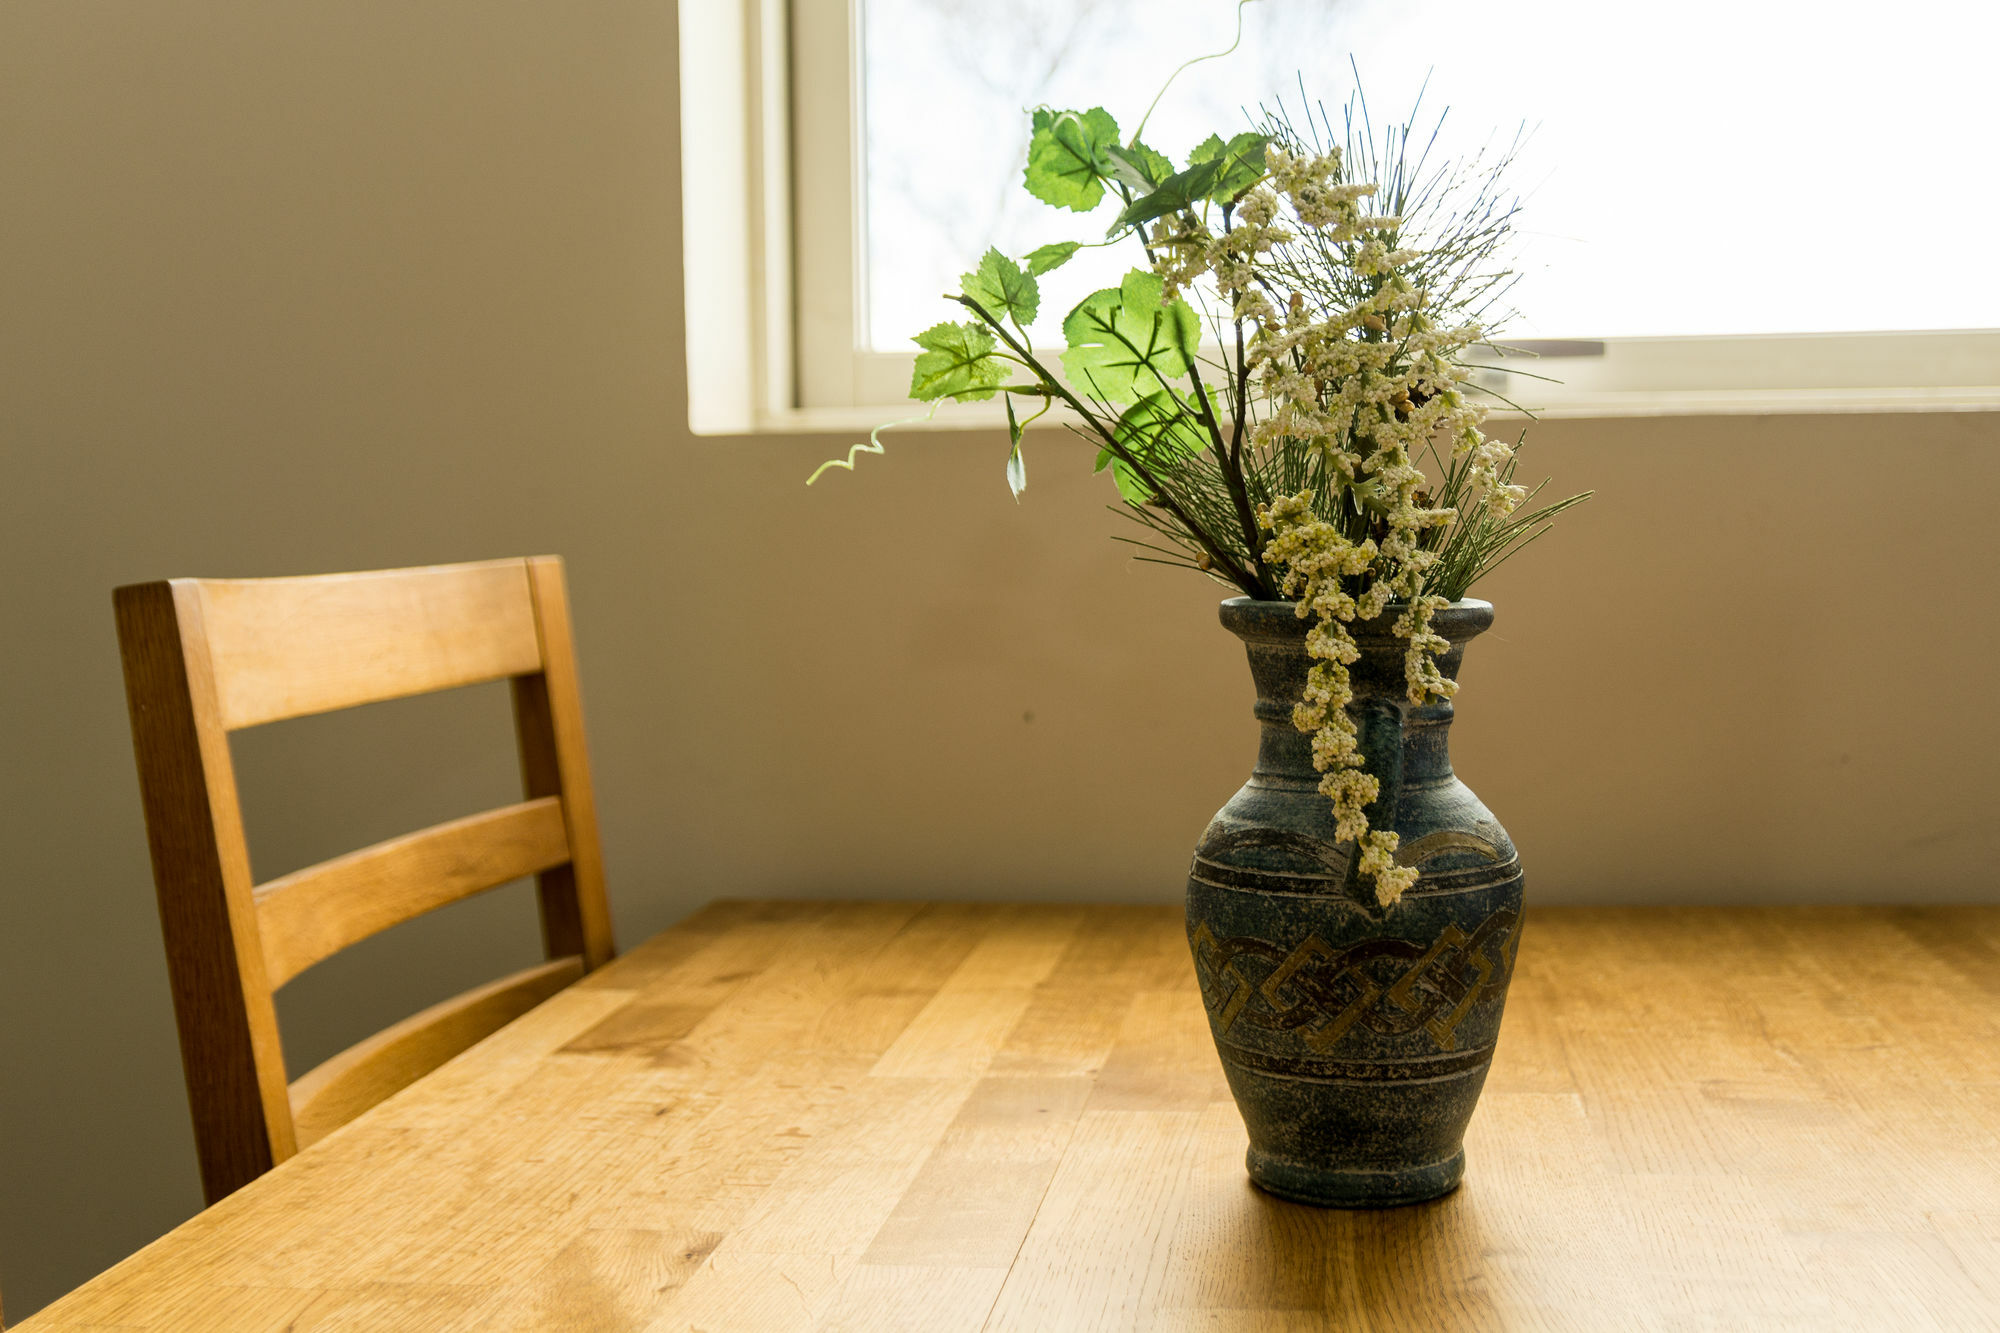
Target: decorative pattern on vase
[1390,987]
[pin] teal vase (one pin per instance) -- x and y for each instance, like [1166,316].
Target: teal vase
[1355,1037]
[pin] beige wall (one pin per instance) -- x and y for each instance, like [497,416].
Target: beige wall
[324,285]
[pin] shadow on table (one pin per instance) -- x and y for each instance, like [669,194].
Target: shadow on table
[1422,1266]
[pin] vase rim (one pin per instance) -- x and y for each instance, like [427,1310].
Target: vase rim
[1254,617]
[1286,601]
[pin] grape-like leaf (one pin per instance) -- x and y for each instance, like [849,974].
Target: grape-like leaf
[1160,428]
[957,363]
[1130,487]
[1046,257]
[1207,150]
[1242,160]
[1138,166]
[1163,424]
[1067,165]
[1124,343]
[999,285]
[1215,171]
[1181,190]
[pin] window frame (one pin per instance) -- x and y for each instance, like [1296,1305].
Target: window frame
[772,119]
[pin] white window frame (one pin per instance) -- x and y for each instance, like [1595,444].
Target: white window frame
[775,237]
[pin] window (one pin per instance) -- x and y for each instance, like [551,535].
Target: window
[1729,204]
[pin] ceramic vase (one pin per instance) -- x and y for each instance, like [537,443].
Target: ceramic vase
[1355,1037]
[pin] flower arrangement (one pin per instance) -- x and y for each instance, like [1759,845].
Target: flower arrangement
[1343,287]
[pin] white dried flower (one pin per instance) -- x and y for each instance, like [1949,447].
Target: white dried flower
[1316,562]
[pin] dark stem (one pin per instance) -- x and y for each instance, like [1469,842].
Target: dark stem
[1242,398]
[1229,462]
[1251,583]
[1230,466]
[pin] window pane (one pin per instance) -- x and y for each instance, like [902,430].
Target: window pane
[1705,166]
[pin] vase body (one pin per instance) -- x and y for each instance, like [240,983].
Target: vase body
[1355,1037]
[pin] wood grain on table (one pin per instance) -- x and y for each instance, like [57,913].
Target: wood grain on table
[881,1116]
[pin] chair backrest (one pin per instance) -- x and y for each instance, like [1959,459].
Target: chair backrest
[205,657]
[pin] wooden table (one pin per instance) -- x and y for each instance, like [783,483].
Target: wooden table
[880,1116]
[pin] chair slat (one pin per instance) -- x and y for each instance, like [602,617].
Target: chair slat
[316,912]
[372,1070]
[290,647]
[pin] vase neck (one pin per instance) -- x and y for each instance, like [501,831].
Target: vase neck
[1274,640]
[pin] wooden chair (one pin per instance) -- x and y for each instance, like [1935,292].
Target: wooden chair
[205,657]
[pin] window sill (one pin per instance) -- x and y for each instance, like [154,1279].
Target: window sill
[1602,406]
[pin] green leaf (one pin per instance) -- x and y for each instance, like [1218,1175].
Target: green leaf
[1161,428]
[1067,165]
[1044,258]
[1242,160]
[957,363]
[1216,170]
[1207,150]
[1164,425]
[1130,488]
[1181,190]
[1138,166]
[1017,471]
[1123,343]
[999,285]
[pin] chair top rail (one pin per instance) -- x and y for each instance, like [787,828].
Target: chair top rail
[290,647]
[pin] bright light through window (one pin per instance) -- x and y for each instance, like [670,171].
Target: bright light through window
[1701,167]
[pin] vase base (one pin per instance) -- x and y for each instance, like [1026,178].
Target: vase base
[1327,1188]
